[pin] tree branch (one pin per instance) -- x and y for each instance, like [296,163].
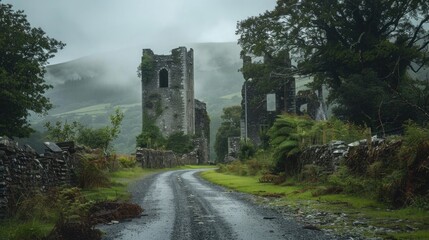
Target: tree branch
[417,30]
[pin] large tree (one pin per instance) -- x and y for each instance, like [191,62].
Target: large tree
[362,50]
[24,52]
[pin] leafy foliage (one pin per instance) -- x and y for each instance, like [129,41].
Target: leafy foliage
[24,53]
[361,50]
[93,138]
[288,135]
[92,171]
[62,132]
[179,142]
[415,155]
[247,150]
[230,127]
[395,172]
[146,68]
[127,161]
[151,137]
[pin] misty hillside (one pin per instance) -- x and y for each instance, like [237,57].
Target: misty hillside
[88,89]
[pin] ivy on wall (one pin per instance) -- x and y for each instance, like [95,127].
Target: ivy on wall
[146,68]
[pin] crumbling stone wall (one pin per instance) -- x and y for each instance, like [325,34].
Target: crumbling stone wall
[23,171]
[327,156]
[330,156]
[151,158]
[202,131]
[200,154]
[233,149]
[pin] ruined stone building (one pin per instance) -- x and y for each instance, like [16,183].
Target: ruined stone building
[281,83]
[168,96]
[255,90]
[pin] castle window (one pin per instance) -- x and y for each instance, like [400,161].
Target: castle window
[163,78]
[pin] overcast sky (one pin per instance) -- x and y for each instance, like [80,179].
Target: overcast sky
[94,26]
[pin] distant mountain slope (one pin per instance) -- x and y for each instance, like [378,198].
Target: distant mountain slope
[102,82]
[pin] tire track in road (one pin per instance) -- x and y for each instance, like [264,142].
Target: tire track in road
[159,205]
[246,219]
[195,218]
[180,205]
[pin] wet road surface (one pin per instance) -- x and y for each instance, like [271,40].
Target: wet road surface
[180,205]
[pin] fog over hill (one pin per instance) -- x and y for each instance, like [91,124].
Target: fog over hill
[89,88]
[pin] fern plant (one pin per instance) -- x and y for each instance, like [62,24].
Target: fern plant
[288,135]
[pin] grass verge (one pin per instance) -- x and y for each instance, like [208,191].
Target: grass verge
[338,212]
[120,180]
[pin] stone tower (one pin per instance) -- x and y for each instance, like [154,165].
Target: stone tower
[168,91]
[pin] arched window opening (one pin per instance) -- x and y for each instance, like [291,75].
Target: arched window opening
[163,78]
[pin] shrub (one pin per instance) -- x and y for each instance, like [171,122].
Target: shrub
[247,150]
[39,206]
[94,138]
[287,136]
[253,167]
[238,168]
[347,182]
[235,167]
[327,191]
[415,161]
[396,172]
[310,173]
[222,168]
[179,142]
[91,175]
[127,161]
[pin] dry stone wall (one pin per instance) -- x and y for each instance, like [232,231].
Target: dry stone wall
[150,158]
[23,171]
[326,156]
[329,156]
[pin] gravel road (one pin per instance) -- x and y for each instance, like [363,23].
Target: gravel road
[181,205]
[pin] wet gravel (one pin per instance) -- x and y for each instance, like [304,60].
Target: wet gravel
[181,205]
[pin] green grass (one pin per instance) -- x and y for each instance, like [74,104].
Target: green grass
[195,167]
[300,196]
[416,235]
[120,180]
[248,184]
[119,188]
[13,229]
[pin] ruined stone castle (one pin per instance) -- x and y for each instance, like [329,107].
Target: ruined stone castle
[168,96]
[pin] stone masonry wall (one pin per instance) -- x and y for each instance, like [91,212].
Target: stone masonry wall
[329,156]
[170,107]
[202,130]
[326,156]
[23,171]
[151,158]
